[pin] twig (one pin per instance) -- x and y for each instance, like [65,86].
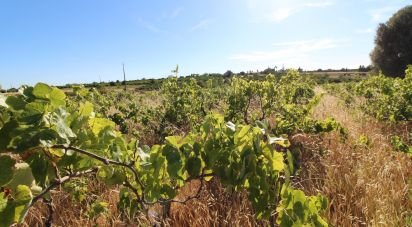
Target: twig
[60,181]
[105,161]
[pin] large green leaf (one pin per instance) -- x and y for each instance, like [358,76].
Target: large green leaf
[111,175]
[98,124]
[277,161]
[5,136]
[22,176]
[42,91]
[16,102]
[22,199]
[3,201]
[86,109]
[175,141]
[193,166]
[57,97]
[6,169]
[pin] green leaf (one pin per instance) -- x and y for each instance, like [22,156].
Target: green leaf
[16,102]
[6,169]
[110,175]
[174,161]
[98,124]
[175,141]
[3,202]
[245,129]
[62,128]
[277,161]
[22,195]
[193,166]
[22,200]
[57,97]
[42,91]
[22,176]
[5,136]
[7,215]
[86,109]
[104,173]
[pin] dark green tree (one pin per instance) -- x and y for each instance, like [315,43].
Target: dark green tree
[393,44]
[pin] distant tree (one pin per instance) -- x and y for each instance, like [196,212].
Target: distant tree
[393,44]
[242,73]
[361,68]
[112,83]
[12,90]
[228,73]
[117,81]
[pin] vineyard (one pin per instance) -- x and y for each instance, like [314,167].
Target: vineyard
[275,150]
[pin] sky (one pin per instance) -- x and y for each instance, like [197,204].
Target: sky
[81,41]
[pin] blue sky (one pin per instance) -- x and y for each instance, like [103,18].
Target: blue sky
[70,41]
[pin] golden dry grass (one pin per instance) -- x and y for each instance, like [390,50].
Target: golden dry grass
[215,207]
[367,185]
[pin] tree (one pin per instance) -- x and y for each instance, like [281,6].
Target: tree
[228,73]
[393,44]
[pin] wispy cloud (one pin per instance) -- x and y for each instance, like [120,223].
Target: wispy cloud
[382,14]
[202,24]
[277,11]
[319,4]
[148,26]
[176,12]
[280,14]
[365,31]
[288,50]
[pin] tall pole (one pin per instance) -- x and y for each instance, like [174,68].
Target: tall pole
[124,78]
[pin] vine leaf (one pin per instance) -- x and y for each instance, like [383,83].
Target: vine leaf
[194,165]
[6,169]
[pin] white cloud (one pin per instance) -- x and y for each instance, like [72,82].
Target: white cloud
[382,14]
[277,11]
[203,24]
[148,26]
[365,31]
[318,4]
[280,14]
[288,50]
[176,12]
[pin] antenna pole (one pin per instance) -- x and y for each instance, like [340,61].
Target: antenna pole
[124,78]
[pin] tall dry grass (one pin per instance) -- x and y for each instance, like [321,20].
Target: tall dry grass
[367,183]
[215,207]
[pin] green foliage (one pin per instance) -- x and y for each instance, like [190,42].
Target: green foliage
[6,169]
[288,100]
[400,145]
[393,52]
[186,102]
[296,209]
[60,141]
[98,208]
[386,98]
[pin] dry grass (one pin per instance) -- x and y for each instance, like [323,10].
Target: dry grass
[215,207]
[67,212]
[367,185]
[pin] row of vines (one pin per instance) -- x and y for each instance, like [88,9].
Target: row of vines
[234,130]
[383,98]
